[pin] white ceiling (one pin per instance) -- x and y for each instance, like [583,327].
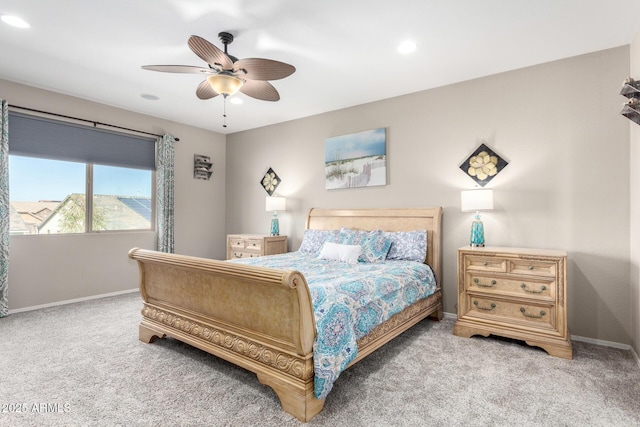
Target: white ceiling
[344,50]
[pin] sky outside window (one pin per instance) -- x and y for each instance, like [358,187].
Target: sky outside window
[34,179]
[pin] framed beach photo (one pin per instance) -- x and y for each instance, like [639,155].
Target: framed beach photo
[356,160]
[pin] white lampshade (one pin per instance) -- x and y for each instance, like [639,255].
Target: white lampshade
[224,84]
[275,203]
[476,200]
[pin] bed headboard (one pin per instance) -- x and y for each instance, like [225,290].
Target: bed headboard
[399,219]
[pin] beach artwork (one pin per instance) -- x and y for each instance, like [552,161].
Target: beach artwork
[356,160]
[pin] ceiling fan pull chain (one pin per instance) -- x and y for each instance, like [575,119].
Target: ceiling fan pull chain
[224,110]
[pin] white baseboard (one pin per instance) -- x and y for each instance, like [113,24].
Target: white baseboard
[71,301]
[601,342]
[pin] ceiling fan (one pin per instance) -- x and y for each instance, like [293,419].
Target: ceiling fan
[228,75]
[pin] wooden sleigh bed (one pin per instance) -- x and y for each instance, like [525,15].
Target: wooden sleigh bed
[262,319]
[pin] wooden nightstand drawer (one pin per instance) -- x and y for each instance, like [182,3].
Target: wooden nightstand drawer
[236,243]
[244,254]
[531,315]
[254,244]
[485,263]
[534,267]
[513,286]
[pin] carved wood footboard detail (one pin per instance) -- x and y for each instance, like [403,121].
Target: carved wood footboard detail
[287,363]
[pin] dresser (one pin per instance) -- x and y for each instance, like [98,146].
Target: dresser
[253,245]
[515,293]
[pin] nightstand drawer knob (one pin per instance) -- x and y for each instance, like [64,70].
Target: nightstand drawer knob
[531,267]
[533,291]
[486,263]
[484,285]
[491,307]
[533,316]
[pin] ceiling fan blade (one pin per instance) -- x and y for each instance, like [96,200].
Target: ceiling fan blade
[188,69]
[260,90]
[210,53]
[263,69]
[204,91]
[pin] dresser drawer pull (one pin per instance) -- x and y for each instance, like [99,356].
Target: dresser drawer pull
[483,285]
[491,307]
[533,291]
[237,255]
[486,263]
[531,267]
[533,316]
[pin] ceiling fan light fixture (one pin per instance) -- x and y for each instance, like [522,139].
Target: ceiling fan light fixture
[225,84]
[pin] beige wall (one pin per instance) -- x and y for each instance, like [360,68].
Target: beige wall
[567,184]
[49,269]
[634,233]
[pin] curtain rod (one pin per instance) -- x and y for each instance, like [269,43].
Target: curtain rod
[87,121]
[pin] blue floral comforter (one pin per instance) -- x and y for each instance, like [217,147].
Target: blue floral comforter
[349,301]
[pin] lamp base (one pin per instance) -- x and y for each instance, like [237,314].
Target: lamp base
[275,227]
[477,233]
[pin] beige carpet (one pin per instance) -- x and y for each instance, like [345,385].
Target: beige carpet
[82,365]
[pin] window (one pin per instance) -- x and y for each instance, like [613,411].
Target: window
[56,167]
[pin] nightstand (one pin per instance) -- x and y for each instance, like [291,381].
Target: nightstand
[515,293]
[253,245]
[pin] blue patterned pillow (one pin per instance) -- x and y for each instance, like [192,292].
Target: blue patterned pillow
[374,245]
[314,239]
[348,236]
[407,245]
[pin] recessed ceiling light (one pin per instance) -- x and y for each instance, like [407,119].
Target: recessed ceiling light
[14,21]
[236,100]
[407,46]
[149,97]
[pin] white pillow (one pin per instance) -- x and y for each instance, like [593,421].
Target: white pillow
[339,252]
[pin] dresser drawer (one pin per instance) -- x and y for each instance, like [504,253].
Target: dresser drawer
[239,243]
[537,268]
[236,243]
[512,312]
[244,254]
[480,263]
[544,289]
[254,244]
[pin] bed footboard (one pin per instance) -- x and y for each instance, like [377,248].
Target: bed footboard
[258,318]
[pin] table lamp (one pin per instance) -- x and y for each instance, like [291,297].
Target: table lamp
[275,204]
[476,200]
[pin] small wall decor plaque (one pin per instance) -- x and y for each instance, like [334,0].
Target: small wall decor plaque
[270,181]
[202,167]
[483,165]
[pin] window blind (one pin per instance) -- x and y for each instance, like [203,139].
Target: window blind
[34,136]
